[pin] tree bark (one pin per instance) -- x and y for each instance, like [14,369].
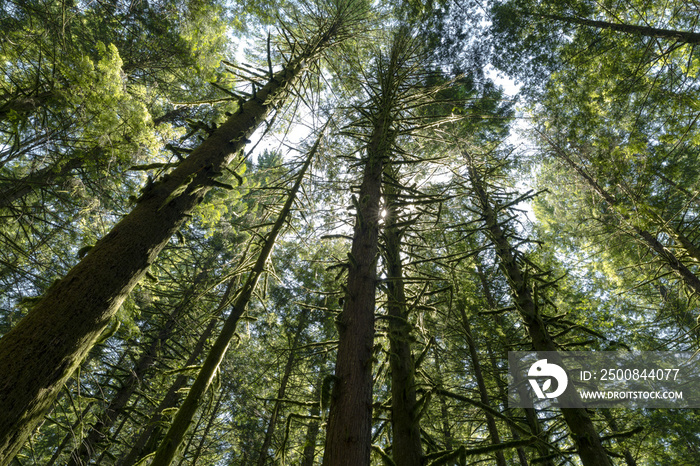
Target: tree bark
[406,448]
[530,415]
[348,437]
[99,430]
[581,426]
[41,352]
[169,400]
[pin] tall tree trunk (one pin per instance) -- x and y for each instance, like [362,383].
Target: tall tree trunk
[535,424]
[313,428]
[583,431]
[148,439]
[481,384]
[530,415]
[282,390]
[406,448]
[646,31]
[170,400]
[349,429]
[41,352]
[207,429]
[348,437]
[171,443]
[17,189]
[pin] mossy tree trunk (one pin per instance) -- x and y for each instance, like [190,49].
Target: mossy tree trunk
[282,389]
[147,441]
[406,448]
[484,396]
[580,425]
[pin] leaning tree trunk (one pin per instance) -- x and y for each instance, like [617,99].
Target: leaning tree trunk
[152,429]
[173,439]
[685,37]
[406,446]
[17,189]
[583,431]
[530,414]
[207,429]
[41,352]
[481,384]
[282,390]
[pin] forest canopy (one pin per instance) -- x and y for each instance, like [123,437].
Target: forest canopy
[310,232]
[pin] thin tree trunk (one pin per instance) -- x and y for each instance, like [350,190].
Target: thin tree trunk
[169,400]
[481,384]
[534,422]
[148,439]
[41,352]
[181,423]
[313,428]
[99,430]
[282,390]
[207,429]
[17,189]
[406,448]
[23,105]
[583,431]
[629,458]
[522,456]
[646,31]
[190,439]
[446,431]
[530,415]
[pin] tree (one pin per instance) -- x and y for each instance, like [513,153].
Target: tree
[585,435]
[238,295]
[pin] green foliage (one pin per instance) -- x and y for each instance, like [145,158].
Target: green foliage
[98,101]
